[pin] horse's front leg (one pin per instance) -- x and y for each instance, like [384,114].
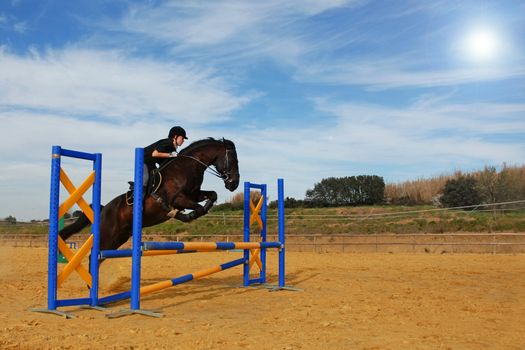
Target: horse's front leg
[210,197]
[188,203]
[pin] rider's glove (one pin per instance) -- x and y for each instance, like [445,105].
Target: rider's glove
[173,154]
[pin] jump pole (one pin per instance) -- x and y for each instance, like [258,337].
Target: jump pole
[139,247]
[142,248]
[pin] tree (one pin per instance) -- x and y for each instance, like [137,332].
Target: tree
[289,202]
[350,190]
[488,184]
[463,191]
[510,185]
[10,220]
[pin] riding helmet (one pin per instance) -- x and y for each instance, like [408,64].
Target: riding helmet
[177,131]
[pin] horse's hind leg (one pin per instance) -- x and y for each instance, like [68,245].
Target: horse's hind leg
[81,222]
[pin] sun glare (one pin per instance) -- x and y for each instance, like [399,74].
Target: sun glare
[481,44]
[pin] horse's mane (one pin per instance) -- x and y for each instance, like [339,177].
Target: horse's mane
[201,143]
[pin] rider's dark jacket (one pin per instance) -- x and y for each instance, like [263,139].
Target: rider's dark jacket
[164,146]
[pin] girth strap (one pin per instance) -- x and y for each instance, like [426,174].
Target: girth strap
[161,201]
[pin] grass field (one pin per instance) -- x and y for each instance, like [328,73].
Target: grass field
[351,220]
[358,220]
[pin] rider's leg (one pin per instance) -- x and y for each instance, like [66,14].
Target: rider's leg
[145,181]
[145,176]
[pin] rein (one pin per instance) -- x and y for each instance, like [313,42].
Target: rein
[224,176]
[209,169]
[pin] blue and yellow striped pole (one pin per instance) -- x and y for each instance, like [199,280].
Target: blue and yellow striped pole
[207,246]
[168,248]
[193,276]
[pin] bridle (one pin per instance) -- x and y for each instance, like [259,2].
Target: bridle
[226,174]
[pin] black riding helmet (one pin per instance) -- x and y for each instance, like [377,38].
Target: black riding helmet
[177,131]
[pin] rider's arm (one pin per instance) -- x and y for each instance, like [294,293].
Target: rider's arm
[158,154]
[164,149]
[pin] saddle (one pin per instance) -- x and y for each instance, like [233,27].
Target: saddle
[154,182]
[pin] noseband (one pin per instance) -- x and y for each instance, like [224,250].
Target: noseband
[227,174]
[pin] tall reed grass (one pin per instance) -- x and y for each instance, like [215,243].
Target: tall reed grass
[494,186]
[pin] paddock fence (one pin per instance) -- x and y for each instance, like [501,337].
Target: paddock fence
[491,243]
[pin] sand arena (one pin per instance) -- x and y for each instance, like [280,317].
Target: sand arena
[350,301]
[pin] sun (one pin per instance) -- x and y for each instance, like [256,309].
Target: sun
[482,44]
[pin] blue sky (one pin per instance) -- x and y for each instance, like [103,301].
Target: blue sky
[306,89]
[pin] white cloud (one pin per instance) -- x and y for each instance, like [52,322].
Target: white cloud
[361,139]
[231,29]
[380,74]
[214,22]
[20,27]
[426,133]
[110,85]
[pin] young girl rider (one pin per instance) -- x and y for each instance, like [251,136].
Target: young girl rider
[160,151]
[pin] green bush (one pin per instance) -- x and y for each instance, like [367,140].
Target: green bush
[460,192]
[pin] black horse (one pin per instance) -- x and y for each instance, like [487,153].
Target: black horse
[179,189]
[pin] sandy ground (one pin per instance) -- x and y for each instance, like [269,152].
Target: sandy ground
[350,301]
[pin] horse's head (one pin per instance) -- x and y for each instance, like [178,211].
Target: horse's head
[228,166]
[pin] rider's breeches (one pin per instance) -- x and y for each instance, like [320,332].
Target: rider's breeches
[145,175]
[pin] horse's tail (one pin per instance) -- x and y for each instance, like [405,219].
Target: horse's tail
[81,222]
